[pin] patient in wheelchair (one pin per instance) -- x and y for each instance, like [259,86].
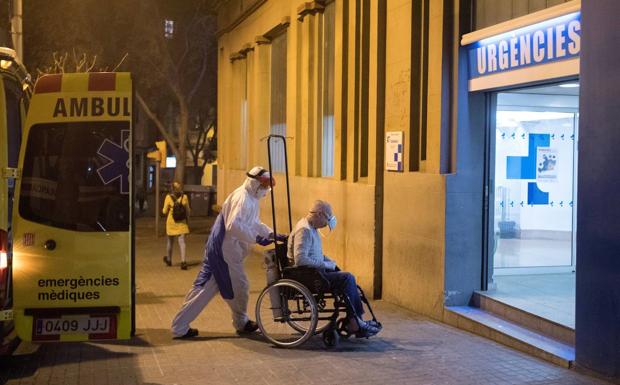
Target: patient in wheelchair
[305,249]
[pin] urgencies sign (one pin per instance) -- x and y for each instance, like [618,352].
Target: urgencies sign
[552,40]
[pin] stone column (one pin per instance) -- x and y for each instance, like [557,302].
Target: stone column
[598,213]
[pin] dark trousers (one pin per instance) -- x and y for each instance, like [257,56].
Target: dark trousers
[343,282]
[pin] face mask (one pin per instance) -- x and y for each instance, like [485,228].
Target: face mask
[331,222]
[262,192]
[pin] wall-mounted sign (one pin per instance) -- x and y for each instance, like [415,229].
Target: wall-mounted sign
[549,41]
[394,151]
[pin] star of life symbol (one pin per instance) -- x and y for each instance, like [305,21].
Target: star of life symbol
[118,165]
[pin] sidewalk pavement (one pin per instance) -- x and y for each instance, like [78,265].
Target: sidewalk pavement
[410,350]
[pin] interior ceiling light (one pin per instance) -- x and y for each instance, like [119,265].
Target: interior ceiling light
[569,85]
[528,116]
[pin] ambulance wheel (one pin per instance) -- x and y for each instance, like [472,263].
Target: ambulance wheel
[283,304]
[331,338]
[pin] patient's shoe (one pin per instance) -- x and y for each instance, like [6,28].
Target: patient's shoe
[375,323]
[250,327]
[183,265]
[367,329]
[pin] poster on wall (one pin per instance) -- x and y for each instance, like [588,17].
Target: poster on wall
[546,164]
[394,151]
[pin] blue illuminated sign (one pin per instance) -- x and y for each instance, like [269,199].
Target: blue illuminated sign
[552,40]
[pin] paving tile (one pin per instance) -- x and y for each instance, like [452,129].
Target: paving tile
[410,350]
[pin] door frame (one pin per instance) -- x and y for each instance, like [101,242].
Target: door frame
[489,235]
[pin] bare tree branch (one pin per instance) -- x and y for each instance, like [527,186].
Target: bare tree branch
[75,59]
[121,62]
[79,63]
[191,151]
[157,69]
[185,52]
[90,67]
[59,63]
[63,62]
[198,82]
[167,136]
[181,66]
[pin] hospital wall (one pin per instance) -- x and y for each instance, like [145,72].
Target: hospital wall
[391,225]
[243,24]
[414,237]
[491,12]
[414,200]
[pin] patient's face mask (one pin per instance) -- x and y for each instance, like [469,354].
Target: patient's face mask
[331,222]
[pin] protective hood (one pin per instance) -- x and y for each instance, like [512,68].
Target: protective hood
[258,182]
[254,188]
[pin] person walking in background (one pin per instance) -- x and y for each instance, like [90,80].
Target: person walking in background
[176,207]
[141,200]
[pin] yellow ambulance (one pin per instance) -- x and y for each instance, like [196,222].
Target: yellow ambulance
[73,259]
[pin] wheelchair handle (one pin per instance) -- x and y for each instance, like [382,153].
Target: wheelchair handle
[288,193]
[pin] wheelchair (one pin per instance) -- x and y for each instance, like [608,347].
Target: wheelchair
[300,303]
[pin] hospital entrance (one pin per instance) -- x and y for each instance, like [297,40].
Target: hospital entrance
[532,179]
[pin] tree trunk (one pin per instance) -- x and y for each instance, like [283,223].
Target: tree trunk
[157,122]
[183,126]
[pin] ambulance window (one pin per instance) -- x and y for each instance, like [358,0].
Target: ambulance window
[14,122]
[75,176]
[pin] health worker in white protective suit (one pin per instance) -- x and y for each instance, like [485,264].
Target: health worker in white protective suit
[236,228]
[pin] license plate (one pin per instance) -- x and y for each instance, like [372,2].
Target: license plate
[78,324]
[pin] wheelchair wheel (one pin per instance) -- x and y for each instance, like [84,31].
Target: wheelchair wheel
[282,304]
[341,327]
[331,338]
[322,324]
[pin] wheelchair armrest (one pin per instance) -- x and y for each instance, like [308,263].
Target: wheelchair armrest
[310,277]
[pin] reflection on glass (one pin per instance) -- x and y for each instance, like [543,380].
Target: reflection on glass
[75,176]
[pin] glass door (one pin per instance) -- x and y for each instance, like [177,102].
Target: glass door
[534,180]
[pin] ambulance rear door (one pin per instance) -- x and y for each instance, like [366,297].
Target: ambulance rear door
[73,252]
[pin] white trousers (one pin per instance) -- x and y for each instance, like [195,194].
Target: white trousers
[199,297]
[169,245]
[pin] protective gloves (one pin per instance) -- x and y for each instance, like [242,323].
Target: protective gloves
[263,241]
[281,237]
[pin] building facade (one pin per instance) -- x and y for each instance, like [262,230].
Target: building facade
[425,124]
[316,72]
